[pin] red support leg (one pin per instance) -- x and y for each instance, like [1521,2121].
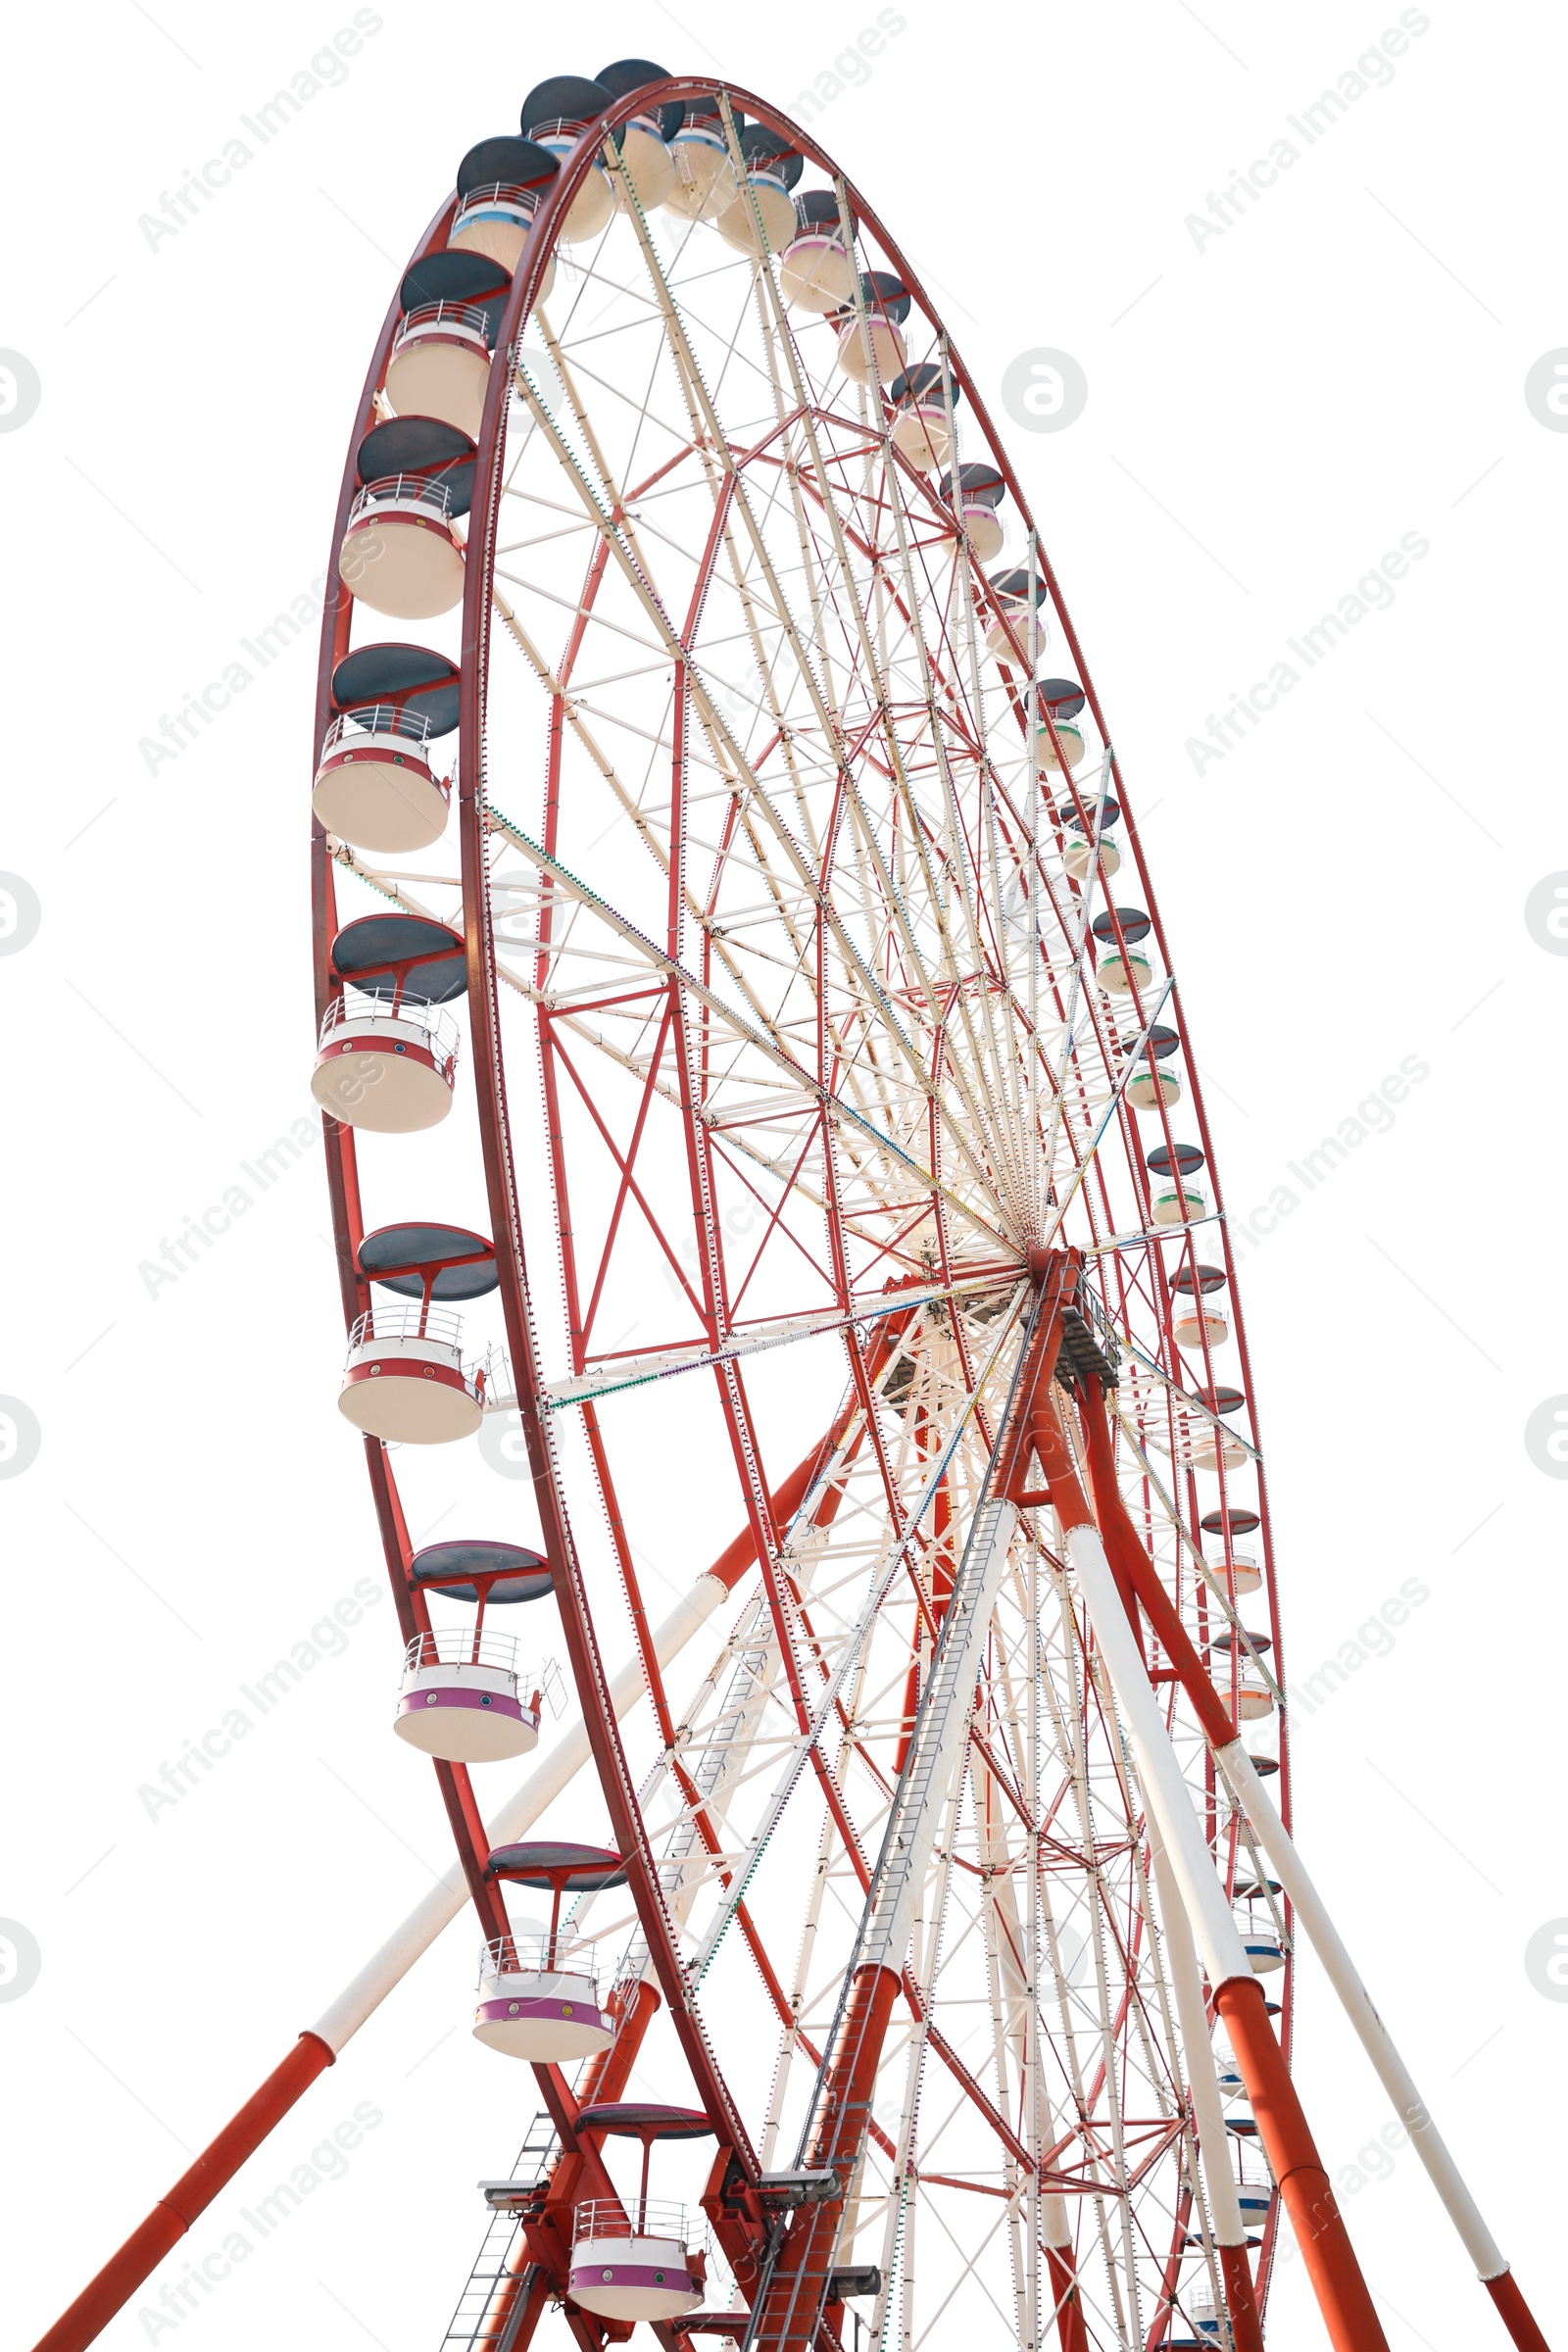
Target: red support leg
[1071,2333]
[1240,2300]
[1516,2314]
[191,2194]
[1335,2274]
[796,2291]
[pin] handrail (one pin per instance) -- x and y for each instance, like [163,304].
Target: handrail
[403,489]
[471,314]
[407,1319]
[532,1956]
[497,191]
[462,1645]
[631,2217]
[560,127]
[386,1003]
[378,718]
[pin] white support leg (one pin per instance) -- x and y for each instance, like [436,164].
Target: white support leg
[1209,2112]
[1220,1940]
[1277,1842]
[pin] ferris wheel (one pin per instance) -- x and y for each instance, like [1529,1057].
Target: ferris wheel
[895,1923]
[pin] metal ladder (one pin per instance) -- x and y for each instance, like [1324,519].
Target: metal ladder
[469,2330]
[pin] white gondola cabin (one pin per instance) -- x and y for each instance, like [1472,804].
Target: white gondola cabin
[387,1055]
[402,551]
[462,1697]
[706,181]
[539,1993]
[375,781]
[635,2259]
[975,496]
[870,331]
[815,268]
[464,1700]
[501,184]
[439,362]
[406,1380]
[921,404]
[556,115]
[644,140]
[761,215]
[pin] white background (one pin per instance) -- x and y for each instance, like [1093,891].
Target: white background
[1267,415]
